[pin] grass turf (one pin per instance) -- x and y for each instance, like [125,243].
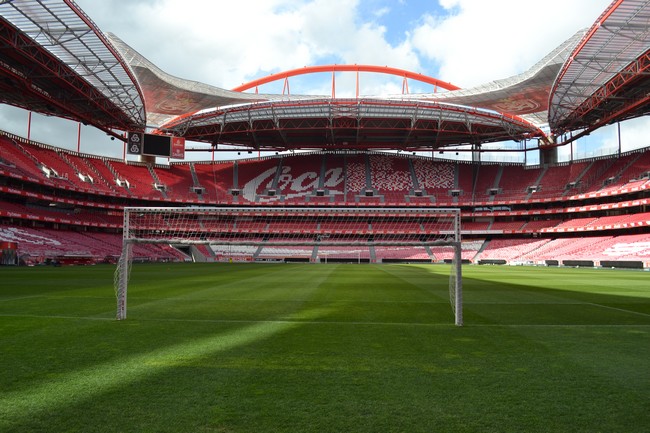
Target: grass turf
[324,348]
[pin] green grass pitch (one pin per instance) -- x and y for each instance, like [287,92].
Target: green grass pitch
[324,348]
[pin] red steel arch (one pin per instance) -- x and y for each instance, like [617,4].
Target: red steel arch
[346,68]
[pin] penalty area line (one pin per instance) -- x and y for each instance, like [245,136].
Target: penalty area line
[49,316]
[638,313]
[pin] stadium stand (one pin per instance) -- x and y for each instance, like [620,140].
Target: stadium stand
[517,182]
[390,178]
[496,201]
[215,180]
[258,180]
[558,180]
[434,179]
[299,178]
[176,181]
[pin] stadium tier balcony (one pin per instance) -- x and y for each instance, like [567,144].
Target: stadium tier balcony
[98,166]
[57,170]
[95,179]
[575,223]
[291,227]
[343,227]
[440,254]
[395,227]
[72,216]
[334,181]
[612,173]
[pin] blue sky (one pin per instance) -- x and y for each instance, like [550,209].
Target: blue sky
[227,43]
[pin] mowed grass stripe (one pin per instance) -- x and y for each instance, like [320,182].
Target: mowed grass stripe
[328,348]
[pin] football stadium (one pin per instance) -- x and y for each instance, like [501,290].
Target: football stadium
[335,262]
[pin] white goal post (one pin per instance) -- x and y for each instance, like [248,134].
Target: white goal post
[315,227]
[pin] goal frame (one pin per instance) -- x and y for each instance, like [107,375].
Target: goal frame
[448,237]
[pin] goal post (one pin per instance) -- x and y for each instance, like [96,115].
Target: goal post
[270,227]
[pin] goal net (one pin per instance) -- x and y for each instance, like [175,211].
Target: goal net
[317,232]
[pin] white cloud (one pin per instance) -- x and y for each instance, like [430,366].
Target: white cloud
[477,41]
[228,43]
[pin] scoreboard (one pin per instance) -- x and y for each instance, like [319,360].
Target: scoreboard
[141,143]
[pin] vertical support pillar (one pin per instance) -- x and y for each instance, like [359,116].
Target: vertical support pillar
[459,273]
[123,269]
[29,126]
[459,285]
[123,280]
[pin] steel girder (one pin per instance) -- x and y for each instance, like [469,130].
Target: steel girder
[351,123]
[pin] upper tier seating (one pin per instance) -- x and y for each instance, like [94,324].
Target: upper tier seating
[391,177]
[139,178]
[355,177]
[434,177]
[177,181]
[515,181]
[216,179]
[299,178]
[536,225]
[486,176]
[349,178]
[555,179]
[334,181]
[256,178]
[465,182]
[16,161]
[611,175]
[95,171]
[326,252]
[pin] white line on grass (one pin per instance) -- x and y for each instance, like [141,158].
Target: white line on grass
[17,298]
[619,309]
[297,321]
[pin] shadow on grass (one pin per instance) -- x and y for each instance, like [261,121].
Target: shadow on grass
[381,354]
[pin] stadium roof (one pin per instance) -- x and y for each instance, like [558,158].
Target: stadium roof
[606,77]
[55,61]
